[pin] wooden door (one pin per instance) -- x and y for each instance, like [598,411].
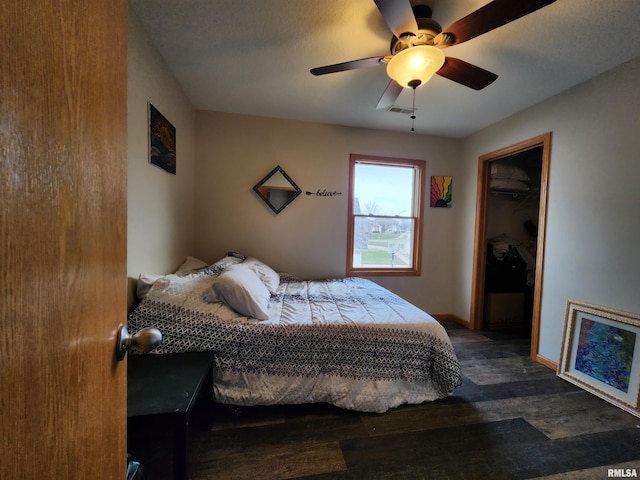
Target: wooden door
[63,141]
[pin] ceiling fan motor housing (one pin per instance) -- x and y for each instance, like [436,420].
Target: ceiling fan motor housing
[428,29]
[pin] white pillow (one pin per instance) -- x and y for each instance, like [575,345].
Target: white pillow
[190,265]
[227,261]
[264,272]
[145,282]
[241,289]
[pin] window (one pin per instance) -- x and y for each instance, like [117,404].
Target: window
[386,204]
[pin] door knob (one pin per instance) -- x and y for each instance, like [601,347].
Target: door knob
[144,340]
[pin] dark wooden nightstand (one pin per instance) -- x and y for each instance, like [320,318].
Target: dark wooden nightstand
[162,391]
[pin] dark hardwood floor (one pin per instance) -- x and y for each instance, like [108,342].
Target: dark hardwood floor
[511,419]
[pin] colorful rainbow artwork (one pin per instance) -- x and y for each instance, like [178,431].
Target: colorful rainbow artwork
[441,191]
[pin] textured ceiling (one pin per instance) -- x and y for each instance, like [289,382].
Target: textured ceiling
[253,57]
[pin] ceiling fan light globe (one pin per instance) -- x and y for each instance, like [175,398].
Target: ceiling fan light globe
[415,63]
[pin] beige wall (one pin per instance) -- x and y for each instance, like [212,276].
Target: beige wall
[160,205]
[209,207]
[308,238]
[593,222]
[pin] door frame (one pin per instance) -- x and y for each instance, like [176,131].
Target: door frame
[479,248]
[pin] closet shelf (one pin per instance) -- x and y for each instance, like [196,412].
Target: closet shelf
[523,197]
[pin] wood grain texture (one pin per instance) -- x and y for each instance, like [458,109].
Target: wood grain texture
[63,238]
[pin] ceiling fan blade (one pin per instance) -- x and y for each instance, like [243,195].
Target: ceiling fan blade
[398,16]
[491,16]
[391,93]
[466,74]
[352,65]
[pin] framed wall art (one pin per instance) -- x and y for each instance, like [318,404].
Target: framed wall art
[441,187]
[601,353]
[162,141]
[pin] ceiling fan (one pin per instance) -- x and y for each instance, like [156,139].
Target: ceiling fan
[418,41]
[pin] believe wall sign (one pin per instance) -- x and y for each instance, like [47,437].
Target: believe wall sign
[324,193]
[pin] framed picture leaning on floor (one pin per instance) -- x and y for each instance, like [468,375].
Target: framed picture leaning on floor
[601,353]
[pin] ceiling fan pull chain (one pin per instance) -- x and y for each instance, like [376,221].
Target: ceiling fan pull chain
[413,111]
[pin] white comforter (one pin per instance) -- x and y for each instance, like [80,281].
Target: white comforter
[348,342]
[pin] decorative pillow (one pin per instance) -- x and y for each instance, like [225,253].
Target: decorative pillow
[190,265]
[240,256]
[264,272]
[227,261]
[240,288]
[145,282]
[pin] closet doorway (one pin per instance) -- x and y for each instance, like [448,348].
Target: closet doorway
[534,153]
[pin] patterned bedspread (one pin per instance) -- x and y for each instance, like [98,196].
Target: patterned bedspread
[347,341]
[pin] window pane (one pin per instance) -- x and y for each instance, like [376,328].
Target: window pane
[386,199]
[383,190]
[383,242]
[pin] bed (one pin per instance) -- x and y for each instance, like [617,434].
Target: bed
[276,339]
